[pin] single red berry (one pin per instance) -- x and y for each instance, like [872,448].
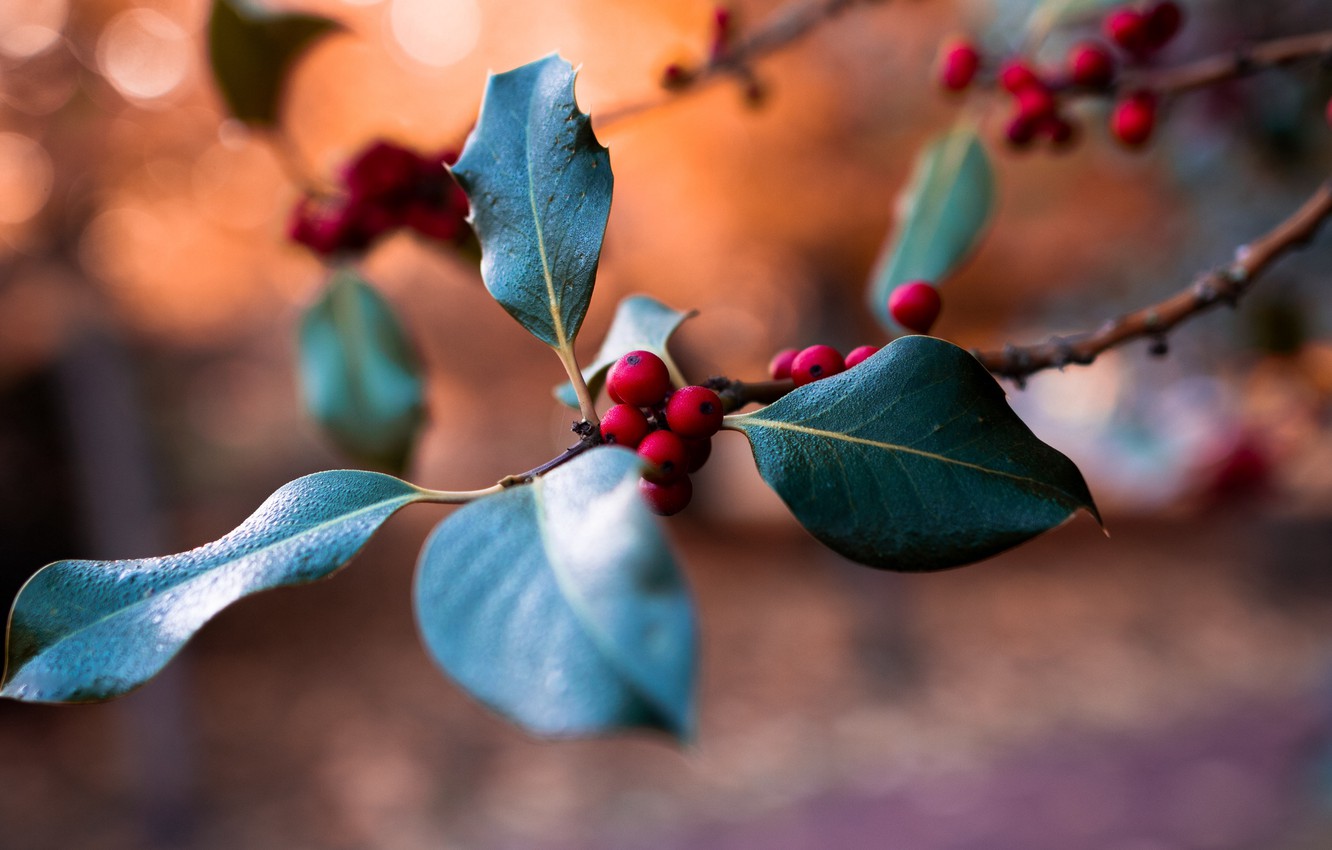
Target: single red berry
[1134,118]
[860,354]
[1163,21]
[1020,131]
[624,425]
[666,453]
[958,65]
[915,306]
[694,412]
[1091,66]
[1128,29]
[667,499]
[1060,131]
[1017,75]
[639,378]
[698,452]
[815,363]
[1035,103]
[780,365]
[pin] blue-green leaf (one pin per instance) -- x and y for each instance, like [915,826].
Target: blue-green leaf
[90,630]
[641,323]
[912,460]
[941,216]
[540,188]
[559,605]
[250,51]
[360,377]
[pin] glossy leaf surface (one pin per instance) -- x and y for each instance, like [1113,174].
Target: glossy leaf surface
[360,377]
[941,216]
[90,630]
[558,604]
[912,461]
[251,50]
[540,189]
[640,323]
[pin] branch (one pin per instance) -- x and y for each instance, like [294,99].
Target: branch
[737,59]
[1241,62]
[1222,285]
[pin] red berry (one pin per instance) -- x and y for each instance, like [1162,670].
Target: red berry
[639,378]
[1061,133]
[624,425]
[698,452]
[667,499]
[666,453]
[1091,66]
[1017,75]
[780,365]
[958,65]
[815,363]
[860,355]
[1134,118]
[1035,103]
[915,306]
[694,412]
[1128,29]
[1020,131]
[1162,22]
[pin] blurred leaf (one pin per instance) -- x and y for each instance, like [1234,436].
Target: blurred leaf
[912,461]
[540,189]
[250,51]
[641,323]
[90,630]
[941,216]
[360,378]
[559,605]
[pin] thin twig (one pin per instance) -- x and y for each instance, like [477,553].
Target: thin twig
[1222,285]
[738,59]
[1240,62]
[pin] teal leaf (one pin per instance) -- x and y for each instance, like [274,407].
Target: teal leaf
[540,189]
[641,323]
[912,461]
[251,50]
[941,216]
[90,630]
[558,604]
[360,377]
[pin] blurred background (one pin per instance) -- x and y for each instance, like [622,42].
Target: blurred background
[1168,687]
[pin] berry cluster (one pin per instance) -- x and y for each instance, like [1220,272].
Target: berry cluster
[1089,67]
[671,430]
[807,365]
[385,187]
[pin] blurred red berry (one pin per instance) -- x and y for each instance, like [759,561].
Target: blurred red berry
[1163,21]
[815,363]
[1128,29]
[958,65]
[697,453]
[1020,131]
[667,499]
[1016,75]
[1134,118]
[780,365]
[915,306]
[1060,131]
[721,32]
[860,354]
[1035,103]
[1091,66]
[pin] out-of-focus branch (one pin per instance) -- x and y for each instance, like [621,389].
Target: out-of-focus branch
[1240,62]
[1222,285]
[737,58]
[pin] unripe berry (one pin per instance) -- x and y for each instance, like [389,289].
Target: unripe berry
[624,425]
[915,306]
[780,365]
[1162,22]
[1016,75]
[694,412]
[639,378]
[958,65]
[815,363]
[1134,118]
[860,354]
[698,452]
[1091,66]
[666,453]
[667,499]
[1128,29]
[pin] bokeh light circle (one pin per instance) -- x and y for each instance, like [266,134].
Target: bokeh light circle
[144,54]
